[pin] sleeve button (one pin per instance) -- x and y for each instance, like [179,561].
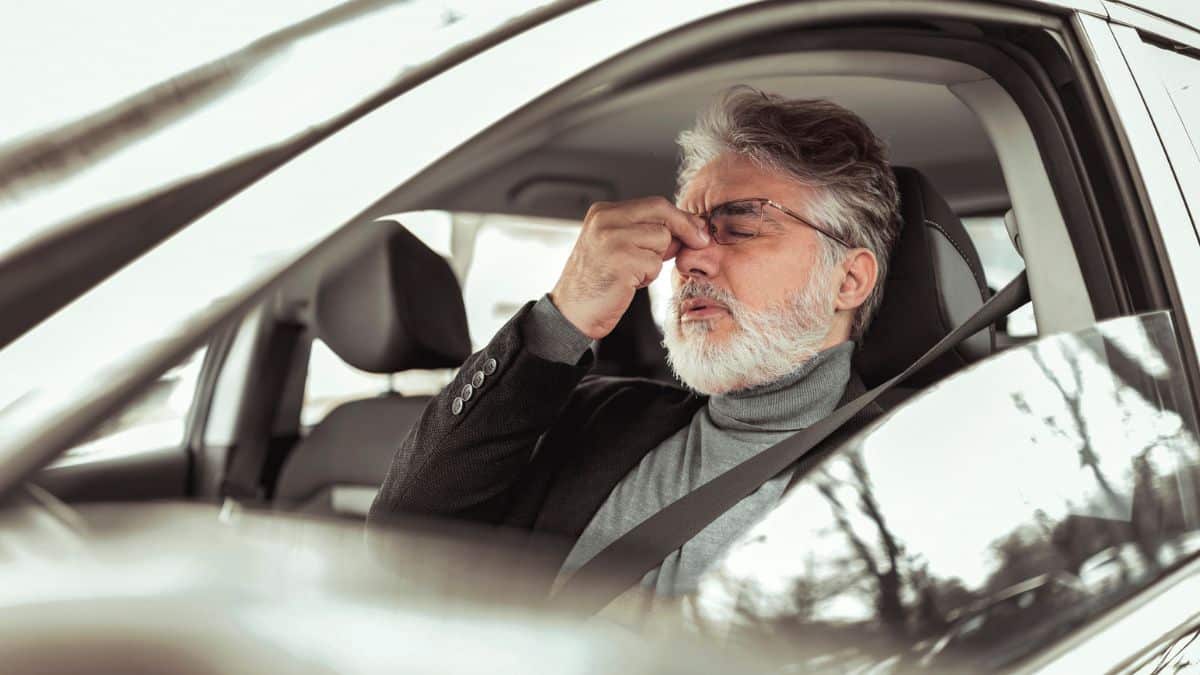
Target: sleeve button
[489,366]
[456,405]
[477,379]
[467,392]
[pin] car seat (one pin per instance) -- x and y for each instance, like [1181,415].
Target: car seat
[935,282]
[396,307]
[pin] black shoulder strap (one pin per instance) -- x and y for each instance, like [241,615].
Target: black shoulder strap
[243,476]
[625,561]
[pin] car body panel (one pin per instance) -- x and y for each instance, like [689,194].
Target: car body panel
[386,147]
[1177,243]
[1169,120]
[1177,20]
[204,589]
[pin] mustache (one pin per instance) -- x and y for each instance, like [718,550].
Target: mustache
[703,289]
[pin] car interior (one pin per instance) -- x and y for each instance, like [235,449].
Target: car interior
[967,138]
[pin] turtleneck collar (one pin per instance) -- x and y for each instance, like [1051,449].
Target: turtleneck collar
[791,403]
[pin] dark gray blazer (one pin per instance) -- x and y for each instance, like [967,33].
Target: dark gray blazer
[539,445]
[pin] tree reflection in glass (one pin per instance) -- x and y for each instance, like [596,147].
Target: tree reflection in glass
[981,521]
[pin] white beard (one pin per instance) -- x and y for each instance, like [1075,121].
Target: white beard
[764,346]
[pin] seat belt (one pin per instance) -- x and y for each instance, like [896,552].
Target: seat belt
[624,562]
[243,476]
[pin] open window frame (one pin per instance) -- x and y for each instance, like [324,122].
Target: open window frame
[1037,64]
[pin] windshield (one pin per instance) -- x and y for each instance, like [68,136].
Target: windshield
[983,521]
[318,76]
[139,101]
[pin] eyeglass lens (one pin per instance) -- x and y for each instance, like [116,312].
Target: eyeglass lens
[735,222]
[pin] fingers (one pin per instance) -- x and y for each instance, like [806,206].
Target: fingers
[648,265]
[650,236]
[687,228]
[672,249]
[621,248]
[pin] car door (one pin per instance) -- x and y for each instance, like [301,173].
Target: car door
[1166,182]
[1037,512]
[989,523]
[1167,74]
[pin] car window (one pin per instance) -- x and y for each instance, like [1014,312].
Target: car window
[1001,264]
[331,382]
[984,520]
[156,419]
[322,65]
[514,260]
[504,261]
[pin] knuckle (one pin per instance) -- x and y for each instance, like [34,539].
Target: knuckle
[595,210]
[607,236]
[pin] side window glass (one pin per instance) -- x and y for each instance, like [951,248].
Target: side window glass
[984,520]
[156,419]
[515,260]
[1001,264]
[332,382]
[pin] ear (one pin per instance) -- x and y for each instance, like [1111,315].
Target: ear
[860,272]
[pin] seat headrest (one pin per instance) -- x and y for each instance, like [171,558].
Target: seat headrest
[934,283]
[397,306]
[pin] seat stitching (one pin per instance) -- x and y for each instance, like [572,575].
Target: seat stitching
[967,260]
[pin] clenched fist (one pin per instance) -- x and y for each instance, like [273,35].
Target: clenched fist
[621,248]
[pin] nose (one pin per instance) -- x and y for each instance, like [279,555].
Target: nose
[702,263]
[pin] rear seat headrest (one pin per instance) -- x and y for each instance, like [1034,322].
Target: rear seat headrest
[935,282]
[398,306]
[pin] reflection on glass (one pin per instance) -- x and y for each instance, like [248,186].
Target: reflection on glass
[156,419]
[982,521]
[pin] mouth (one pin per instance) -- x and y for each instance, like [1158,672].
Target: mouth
[700,309]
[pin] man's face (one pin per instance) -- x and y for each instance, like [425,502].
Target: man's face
[752,312]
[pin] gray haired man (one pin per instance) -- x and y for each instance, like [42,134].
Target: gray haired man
[780,234]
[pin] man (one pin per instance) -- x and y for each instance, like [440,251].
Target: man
[786,213]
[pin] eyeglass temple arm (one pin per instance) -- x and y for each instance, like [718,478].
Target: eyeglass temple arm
[802,219]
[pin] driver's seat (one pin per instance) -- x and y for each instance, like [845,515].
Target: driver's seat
[934,283]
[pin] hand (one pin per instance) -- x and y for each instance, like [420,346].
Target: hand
[621,248]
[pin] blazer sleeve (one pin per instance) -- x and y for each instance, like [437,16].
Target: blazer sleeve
[470,446]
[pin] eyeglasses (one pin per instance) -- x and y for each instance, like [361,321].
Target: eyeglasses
[741,220]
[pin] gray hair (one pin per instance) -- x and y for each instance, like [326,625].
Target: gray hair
[823,146]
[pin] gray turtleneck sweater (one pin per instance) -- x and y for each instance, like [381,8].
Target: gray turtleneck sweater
[728,430]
